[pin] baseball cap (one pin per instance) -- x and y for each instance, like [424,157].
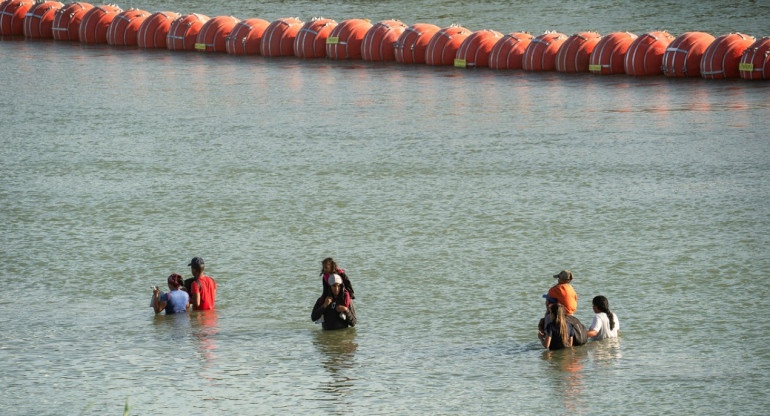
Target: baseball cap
[564,275]
[196,261]
[335,279]
[550,299]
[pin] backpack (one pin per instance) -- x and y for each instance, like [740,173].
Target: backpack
[351,316]
[579,332]
[347,284]
[188,285]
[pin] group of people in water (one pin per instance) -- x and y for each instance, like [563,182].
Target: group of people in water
[560,329]
[199,291]
[334,309]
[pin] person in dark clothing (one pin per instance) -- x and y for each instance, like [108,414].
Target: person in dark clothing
[558,333]
[578,329]
[336,310]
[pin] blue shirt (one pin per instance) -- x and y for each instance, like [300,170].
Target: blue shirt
[176,301]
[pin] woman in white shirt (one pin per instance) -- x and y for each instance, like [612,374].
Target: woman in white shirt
[605,323]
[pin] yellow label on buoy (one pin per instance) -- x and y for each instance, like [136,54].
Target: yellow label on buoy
[200,46]
[460,63]
[332,40]
[746,67]
[594,67]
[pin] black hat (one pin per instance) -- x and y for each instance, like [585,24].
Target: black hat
[196,261]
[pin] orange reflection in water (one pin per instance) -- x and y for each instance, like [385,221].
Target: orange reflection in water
[568,364]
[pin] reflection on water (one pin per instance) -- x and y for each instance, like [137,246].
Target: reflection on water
[337,350]
[175,326]
[569,371]
[605,352]
[568,377]
[204,331]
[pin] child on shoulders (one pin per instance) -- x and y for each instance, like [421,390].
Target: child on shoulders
[329,269]
[563,292]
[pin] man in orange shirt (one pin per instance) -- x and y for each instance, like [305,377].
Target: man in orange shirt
[563,292]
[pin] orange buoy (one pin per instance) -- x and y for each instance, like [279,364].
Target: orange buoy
[66,21]
[345,40]
[475,49]
[609,54]
[443,46]
[38,22]
[541,52]
[683,55]
[755,61]
[508,52]
[411,45]
[645,54]
[125,26]
[722,57]
[183,32]
[379,41]
[96,21]
[12,14]
[279,37]
[246,37]
[575,53]
[213,34]
[154,29]
[311,38]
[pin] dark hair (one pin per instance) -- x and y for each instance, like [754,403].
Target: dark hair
[334,269]
[603,305]
[328,261]
[176,279]
[560,319]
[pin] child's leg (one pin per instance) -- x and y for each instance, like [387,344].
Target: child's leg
[348,285]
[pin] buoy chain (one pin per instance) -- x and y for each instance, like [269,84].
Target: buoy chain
[309,31]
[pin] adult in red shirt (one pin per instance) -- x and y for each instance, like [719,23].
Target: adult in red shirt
[563,292]
[202,288]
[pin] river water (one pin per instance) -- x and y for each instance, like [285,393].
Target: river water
[450,196]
